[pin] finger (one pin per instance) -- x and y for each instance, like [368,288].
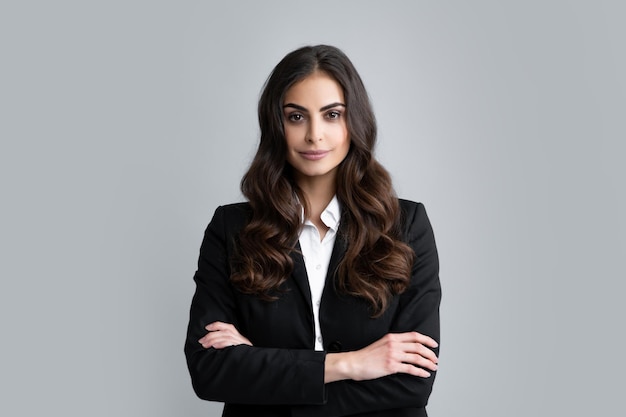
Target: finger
[224,344]
[213,325]
[413,370]
[206,342]
[414,359]
[425,340]
[414,337]
[218,325]
[217,343]
[421,350]
[214,338]
[221,339]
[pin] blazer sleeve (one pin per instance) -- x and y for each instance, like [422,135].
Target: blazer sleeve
[241,374]
[418,310]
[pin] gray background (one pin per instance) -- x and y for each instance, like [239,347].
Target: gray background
[125,123]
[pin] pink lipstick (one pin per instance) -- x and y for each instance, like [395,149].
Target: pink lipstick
[313,155]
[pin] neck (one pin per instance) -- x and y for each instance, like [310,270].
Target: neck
[318,193]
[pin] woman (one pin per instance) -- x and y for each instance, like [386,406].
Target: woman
[320,295]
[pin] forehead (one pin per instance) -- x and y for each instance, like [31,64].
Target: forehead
[315,88]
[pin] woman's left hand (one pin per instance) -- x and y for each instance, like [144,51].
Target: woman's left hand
[222,335]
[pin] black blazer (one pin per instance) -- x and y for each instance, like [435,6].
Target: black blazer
[282,374]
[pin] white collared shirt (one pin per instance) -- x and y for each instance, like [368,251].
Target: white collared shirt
[316,255]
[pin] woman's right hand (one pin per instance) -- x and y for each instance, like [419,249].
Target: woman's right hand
[409,353]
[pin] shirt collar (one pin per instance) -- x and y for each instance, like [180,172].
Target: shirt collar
[331,214]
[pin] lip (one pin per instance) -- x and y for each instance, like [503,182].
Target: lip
[313,155]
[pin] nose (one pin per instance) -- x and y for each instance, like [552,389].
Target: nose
[314,131]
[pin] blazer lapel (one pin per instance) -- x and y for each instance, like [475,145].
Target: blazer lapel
[300,276]
[339,250]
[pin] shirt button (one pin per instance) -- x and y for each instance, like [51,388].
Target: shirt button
[318,266]
[317,303]
[319,339]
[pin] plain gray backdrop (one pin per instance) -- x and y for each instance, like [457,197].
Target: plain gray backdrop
[124,124]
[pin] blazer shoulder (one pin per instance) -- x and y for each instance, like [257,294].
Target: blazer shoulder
[414,220]
[235,209]
[231,216]
[407,205]
[410,209]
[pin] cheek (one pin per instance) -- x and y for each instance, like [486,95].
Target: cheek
[292,134]
[346,148]
[344,138]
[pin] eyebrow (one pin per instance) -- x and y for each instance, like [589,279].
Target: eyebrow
[326,107]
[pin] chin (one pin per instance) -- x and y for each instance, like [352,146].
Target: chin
[313,174]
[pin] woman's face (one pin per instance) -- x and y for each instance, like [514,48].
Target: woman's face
[314,121]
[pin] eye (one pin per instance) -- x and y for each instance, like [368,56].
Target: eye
[333,114]
[295,117]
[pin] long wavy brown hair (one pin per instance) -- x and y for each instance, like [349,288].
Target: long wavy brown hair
[377,264]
